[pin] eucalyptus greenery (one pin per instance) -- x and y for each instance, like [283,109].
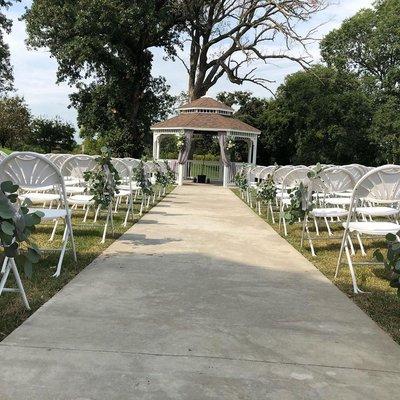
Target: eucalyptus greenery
[16,226]
[299,204]
[266,190]
[165,178]
[241,180]
[391,260]
[140,177]
[301,197]
[103,181]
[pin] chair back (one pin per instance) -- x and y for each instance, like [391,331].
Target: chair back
[2,155]
[356,170]
[334,180]
[131,162]
[380,185]
[76,165]
[295,177]
[280,173]
[30,171]
[123,170]
[59,159]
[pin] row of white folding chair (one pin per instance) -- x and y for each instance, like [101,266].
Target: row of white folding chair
[32,170]
[328,183]
[381,186]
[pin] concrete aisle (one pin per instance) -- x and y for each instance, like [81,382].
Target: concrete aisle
[200,300]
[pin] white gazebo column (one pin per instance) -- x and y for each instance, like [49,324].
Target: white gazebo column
[254,151]
[180,174]
[156,146]
[226,176]
[249,154]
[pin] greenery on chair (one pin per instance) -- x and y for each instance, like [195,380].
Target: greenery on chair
[391,260]
[103,181]
[16,226]
[141,179]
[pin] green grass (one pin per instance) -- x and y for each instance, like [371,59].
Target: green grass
[380,303]
[7,151]
[42,286]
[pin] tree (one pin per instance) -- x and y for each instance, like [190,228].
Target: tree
[104,113]
[6,77]
[15,122]
[226,36]
[368,44]
[107,42]
[52,135]
[317,115]
[385,130]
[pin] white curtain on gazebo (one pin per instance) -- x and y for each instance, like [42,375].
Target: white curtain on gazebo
[184,154]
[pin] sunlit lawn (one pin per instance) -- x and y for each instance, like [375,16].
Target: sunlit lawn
[380,303]
[42,286]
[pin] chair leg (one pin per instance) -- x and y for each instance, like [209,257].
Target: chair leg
[316,226]
[272,213]
[103,239]
[361,245]
[96,215]
[86,213]
[327,226]
[54,231]
[356,289]
[11,266]
[344,243]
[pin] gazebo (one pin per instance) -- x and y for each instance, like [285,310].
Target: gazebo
[205,116]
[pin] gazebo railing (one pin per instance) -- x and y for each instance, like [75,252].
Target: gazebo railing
[212,169]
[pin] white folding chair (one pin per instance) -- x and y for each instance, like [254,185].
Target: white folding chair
[32,170]
[291,180]
[329,182]
[73,169]
[380,185]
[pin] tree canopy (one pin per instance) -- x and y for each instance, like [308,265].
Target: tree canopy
[6,76]
[15,121]
[318,114]
[52,135]
[368,44]
[107,42]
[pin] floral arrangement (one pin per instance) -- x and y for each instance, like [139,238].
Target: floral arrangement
[103,181]
[181,142]
[140,177]
[391,260]
[16,226]
[230,144]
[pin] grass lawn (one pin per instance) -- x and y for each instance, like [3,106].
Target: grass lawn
[7,151]
[42,286]
[380,303]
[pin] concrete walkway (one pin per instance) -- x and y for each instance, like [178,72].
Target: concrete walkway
[200,300]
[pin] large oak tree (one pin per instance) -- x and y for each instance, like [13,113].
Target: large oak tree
[103,46]
[226,37]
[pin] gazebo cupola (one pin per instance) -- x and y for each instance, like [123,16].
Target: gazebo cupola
[206,115]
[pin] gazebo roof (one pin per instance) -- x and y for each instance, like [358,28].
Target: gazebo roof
[206,103]
[205,114]
[205,122]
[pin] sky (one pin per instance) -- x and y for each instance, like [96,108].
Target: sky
[35,71]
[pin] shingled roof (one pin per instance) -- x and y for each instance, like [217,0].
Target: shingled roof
[205,122]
